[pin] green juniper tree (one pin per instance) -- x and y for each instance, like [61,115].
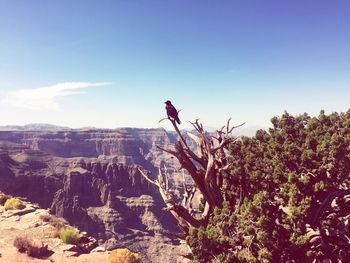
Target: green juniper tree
[280,196]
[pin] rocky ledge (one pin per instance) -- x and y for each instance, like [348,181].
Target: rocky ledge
[29,222]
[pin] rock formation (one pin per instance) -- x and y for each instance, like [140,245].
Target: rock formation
[126,145]
[91,179]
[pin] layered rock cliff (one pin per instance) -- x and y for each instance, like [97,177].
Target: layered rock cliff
[103,196]
[126,145]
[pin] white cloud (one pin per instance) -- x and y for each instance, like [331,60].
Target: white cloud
[44,98]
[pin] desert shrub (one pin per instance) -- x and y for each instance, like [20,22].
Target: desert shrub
[3,198]
[55,221]
[70,235]
[32,247]
[124,255]
[45,217]
[13,203]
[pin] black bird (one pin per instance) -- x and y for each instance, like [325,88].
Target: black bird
[171,111]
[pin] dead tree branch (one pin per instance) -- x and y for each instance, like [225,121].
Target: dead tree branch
[205,168]
[181,214]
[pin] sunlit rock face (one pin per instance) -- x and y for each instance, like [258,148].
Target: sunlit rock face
[125,145]
[96,191]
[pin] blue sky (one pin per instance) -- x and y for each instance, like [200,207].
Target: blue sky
[114,63]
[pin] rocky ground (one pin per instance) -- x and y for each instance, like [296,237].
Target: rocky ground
[29,221]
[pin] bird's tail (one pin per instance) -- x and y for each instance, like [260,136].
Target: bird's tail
[178,121]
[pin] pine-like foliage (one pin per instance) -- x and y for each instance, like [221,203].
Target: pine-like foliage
[287,195]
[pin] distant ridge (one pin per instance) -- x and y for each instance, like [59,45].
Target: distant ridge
[34,127]
[241,131]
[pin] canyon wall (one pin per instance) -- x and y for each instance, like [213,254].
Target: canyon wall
[91,179]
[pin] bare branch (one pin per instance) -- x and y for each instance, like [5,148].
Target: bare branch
[228,126]
[223,144]
[166,178]
[168,118]
[147,178]
[181,214]
[167,150]
[235,127]
[206,169]
[163,119]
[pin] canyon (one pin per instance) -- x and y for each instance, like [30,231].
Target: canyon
[90,177]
